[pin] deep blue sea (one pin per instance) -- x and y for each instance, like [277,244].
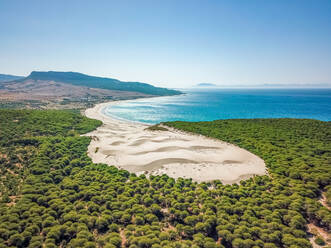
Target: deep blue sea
[213,104]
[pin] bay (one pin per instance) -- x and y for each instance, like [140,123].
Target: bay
[212,104]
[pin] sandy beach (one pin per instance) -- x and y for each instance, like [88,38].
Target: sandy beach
[130,146]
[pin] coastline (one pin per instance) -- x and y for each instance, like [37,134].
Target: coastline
[128,145]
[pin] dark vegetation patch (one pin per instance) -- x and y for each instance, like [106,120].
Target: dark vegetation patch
[33,104]
[157,128]
[64,200]
[319,240]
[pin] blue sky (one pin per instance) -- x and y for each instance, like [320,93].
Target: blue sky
[170,43]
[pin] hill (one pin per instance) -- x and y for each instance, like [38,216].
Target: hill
[67,90]
[80,79]
[7,78]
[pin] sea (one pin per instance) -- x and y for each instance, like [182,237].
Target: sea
[213,104]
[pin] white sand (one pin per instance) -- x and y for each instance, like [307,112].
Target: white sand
[129,146]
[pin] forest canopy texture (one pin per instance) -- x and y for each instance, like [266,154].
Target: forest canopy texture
[53,195]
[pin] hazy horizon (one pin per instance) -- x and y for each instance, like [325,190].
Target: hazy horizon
[232,86]
[170,44]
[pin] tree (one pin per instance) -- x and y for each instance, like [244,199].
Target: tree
[16,239]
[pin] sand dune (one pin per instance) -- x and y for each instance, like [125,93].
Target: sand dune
[130,146]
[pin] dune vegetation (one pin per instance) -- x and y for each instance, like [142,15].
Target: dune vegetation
[52,195]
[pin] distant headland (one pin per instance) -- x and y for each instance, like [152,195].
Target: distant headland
[58,90]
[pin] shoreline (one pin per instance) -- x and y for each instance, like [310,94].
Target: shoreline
[128,145]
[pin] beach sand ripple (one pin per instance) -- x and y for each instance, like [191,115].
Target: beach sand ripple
[130,146]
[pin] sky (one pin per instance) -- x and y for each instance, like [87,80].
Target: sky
[170,43]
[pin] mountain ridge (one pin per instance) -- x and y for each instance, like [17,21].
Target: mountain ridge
[71,90]
[80,79]
[8,77]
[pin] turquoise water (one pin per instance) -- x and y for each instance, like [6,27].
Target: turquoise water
[206,105]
